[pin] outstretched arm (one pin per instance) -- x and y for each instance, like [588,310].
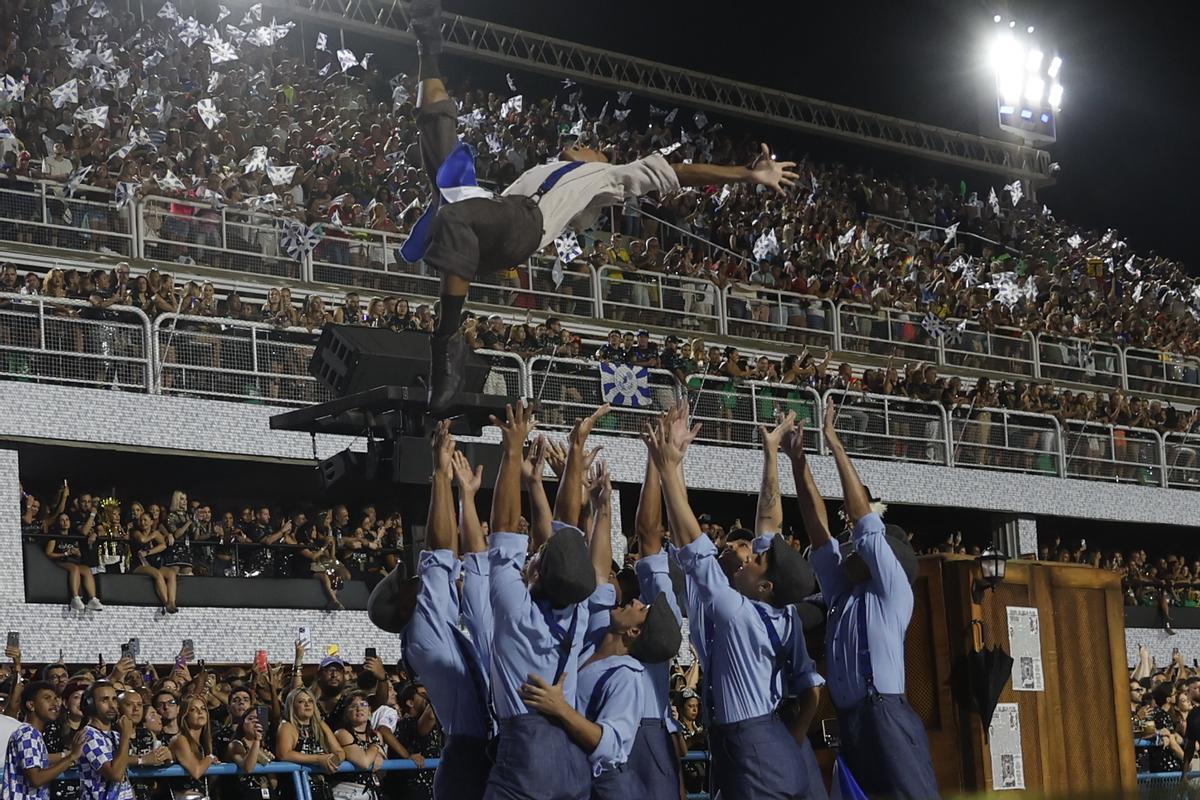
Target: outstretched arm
[812,505]
[668,442]
[540,518]
[858,504]
[570,491]
[506,496]
[649,521]
[441,529]
[769,518]
[469,480]
[600,497]
[765,171]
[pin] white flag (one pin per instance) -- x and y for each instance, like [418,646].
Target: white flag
[1014,191]
[700,119]
[171,183]
[347,59]
[281,176]
[623,97]
[952,232]
[67,93]
[766,246]
[512,85]
[511,105]
[97,116]
[220,52]
[994,201]
[257,160]
[322,42]
[209,115]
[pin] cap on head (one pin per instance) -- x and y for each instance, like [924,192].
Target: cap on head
[393,602]
[565,568]
[791,576]
[739,535]
[331,661]
[660,637]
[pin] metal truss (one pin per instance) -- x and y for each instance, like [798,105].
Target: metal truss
[530,51]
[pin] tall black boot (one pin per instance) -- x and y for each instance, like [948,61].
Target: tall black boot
[447,371]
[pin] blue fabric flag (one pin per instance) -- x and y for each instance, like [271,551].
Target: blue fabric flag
[455,181]
[844,786]
[623,385]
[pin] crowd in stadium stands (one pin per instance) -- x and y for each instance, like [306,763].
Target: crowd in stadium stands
[1160,700]
[350,135]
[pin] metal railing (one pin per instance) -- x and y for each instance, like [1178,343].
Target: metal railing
[1007,350]
[771,315]
[570,389]
[652,298]
[1160,373]
[1098,451]
[60,340]
[730,410]
[227,238]
[225,358]
[1080,361]
[891,428]
[1181,462]
[1002,439]
[40,212]
[886,332]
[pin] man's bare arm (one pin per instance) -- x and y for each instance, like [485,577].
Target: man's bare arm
[649,520]
[765,172]
[769,518]
[854,495]
[812,505]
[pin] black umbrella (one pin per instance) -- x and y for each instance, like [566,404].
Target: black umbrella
[988,670]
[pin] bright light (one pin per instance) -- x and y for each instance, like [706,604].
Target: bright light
[1034,89]
[997,18]
[1034,62]
[1055,66]
[1012,23]
[1029,29]
[1055,99]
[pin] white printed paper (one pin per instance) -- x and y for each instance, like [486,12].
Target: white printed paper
[1004,737]
[1025,645]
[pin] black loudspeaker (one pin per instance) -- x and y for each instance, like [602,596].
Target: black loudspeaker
[350,359]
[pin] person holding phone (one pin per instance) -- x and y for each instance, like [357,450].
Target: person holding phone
[29,768]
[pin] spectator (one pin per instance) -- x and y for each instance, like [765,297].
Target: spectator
[192,747]
[419,732]
[363,747]
[105,757]
[29,768]
[305,738]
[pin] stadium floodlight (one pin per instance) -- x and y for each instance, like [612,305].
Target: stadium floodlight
[997,18]
[1023,74]
[1055,97]
[1034,90]
[1030,29]
[1012,23]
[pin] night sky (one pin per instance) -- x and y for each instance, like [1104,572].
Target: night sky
[1130,77]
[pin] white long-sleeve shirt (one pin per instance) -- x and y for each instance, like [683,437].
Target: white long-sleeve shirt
[582,195]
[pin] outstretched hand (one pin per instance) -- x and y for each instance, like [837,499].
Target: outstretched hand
[468,480]
[444,448]
[793,443]
[583,427]
[668,440]
[518,423]
[774,437]
[534,464]
[773,174]
[599,486]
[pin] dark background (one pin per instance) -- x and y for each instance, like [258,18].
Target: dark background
[1129,72]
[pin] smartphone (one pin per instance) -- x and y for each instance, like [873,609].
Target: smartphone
[372,653]
[189,649]
[264,717]
[829,732]
[125,649]
[331,650]
[260,660]
[135,648]
[304,636]
[14,638]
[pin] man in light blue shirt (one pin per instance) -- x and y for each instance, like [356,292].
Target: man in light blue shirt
[757,654]
[610,695]
[425,611]
[868,590]
[540,616]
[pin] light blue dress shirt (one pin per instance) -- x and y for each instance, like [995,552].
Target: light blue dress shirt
[654,578]
[430,647]
[618,707]
[477,606]
[522,642]
[746,679]
[599,606]
[888,599]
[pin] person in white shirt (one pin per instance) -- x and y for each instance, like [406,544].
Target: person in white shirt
[466,231]
[57,167]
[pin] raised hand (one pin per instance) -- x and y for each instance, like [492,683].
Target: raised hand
[444,448]
[829,427]
[534,464]
[599,485]
[556,455]
[583,428]
[669,439]
[468,480]
[771,173]
[518,423]
[793,443]
[773,437]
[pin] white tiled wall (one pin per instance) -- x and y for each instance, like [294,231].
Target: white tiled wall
[100,418]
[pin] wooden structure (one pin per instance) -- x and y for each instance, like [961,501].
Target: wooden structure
[1076,736]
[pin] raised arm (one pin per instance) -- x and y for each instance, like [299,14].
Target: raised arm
[600,497]
[540,516]
[506,496]
[765,171]
[668,442]
[812,505]
[854,495]
[649,520]
[441,532]
[569,501]
[470,530]
[769,518]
